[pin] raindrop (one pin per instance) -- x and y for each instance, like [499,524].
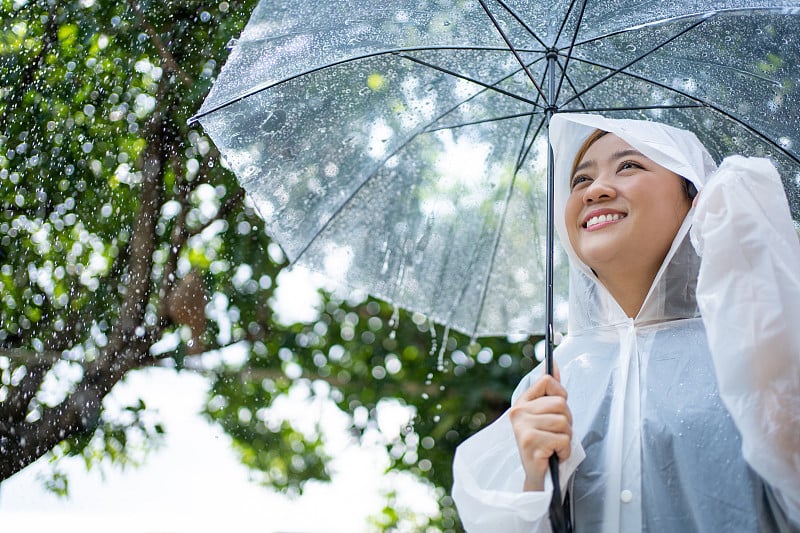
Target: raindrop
[433,338]
[436,418]
[440,360]
[274,121]
[394,322]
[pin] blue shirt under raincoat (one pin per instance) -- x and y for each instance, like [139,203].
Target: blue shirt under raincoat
[686,417]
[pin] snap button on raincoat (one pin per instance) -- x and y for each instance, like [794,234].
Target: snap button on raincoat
[687,417]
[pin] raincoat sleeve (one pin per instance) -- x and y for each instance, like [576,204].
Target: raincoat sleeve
[488,478]
[748,292]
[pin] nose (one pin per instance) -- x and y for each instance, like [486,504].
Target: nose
[600,189]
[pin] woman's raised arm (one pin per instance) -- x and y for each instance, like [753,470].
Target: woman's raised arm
[748,292]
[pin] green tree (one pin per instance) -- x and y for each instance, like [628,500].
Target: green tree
[118,224]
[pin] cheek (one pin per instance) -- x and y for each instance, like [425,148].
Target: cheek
[571,212]
[666,219]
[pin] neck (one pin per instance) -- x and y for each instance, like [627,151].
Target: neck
[629,288]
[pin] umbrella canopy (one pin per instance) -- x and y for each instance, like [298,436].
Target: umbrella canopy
[401,146]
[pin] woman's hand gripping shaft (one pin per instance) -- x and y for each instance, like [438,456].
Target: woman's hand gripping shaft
[542,425]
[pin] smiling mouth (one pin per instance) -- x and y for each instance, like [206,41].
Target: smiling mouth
[594,221]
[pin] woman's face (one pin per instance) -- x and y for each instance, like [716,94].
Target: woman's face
[624,210]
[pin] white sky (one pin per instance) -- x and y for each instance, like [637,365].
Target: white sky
[195,482]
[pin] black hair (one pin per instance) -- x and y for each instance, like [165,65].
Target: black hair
[689,189]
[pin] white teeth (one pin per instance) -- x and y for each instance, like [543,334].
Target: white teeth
[602,218]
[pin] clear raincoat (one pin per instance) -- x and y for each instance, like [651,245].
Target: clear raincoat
[687,417]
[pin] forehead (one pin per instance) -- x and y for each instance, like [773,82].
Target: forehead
[605,147]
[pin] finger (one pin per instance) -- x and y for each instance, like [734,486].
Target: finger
[544,386]
[540,445]
[550,422]
[526,413]
[565,449]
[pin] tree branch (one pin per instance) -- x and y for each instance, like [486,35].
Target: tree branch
[166,56]
[14,98]
[177,240]
[23,443]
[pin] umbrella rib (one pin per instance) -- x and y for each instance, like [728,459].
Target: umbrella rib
[377,169]
[743,72]
[702,103]
[522,22]
[492,87]
[397,51]
[496,245]
[530,144]
[564,23]
[473,259]
[705,15]
[428,129]
[574,89]
[511,48]
[483,121]
[347,201]
[522,150]
[571,48]
[636,60]
[631,108]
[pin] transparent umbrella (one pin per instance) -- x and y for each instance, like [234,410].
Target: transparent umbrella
[401,146]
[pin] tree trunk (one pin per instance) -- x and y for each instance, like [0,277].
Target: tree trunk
[23,442]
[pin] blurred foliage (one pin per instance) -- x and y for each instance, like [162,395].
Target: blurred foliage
[110,202]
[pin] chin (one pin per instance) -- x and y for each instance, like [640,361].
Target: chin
[595,257]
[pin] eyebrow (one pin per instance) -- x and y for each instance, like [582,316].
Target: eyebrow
[614,157]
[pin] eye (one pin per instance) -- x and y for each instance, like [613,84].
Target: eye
[628,165]
[579,179]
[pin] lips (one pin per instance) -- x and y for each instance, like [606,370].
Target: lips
[596,218]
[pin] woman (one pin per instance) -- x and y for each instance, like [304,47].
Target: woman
[677,407]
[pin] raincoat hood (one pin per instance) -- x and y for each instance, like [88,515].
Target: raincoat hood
[672,294]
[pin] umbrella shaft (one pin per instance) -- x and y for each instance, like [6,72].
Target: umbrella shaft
[552,54]
[559,520]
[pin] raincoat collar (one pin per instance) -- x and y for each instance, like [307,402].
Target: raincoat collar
[672,295]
